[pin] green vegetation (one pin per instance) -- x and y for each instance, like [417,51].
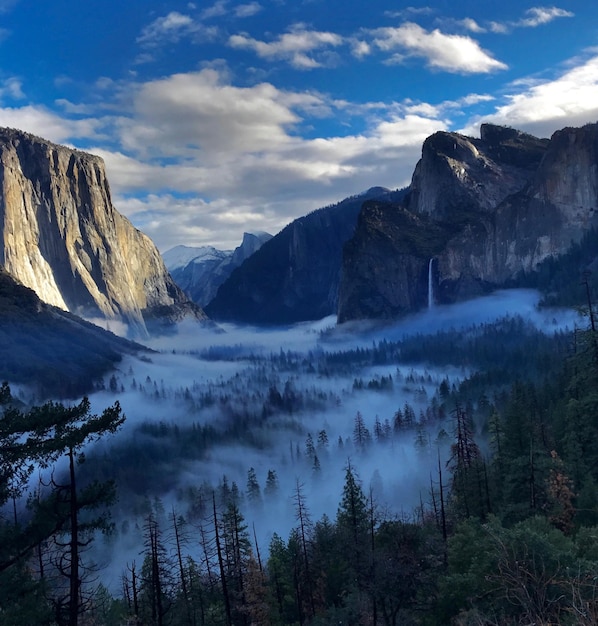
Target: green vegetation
[506,533]
[41,548]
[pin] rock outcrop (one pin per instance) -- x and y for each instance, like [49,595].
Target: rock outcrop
[61,236]
[295,275]
[199,272]
[484,210]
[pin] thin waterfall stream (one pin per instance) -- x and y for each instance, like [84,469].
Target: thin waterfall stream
[430,285]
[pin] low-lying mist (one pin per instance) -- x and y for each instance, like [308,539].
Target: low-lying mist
[267,411]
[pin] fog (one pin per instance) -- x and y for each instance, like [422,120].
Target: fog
[264,393]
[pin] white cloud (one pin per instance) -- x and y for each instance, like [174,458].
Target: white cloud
[70,107]
[218,9]
[172,28]
[499,28]
[169,27]
[472,99]
[536,16]
[201,159]
[471,25]
[38,120]
[11,88]
[543,107]
[247,10]
[452,53]
[409,11]
[293,46]
[198,113]
[360,48]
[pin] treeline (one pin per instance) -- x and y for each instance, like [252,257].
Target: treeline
[507,347]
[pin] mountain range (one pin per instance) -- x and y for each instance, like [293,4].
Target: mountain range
[200,271]
[294,276]
[479,214]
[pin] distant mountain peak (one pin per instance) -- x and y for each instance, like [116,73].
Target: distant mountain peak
[200,271]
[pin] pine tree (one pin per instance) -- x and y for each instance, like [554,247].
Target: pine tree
[304,573]
[361,435]
[353,526]
[254,495]
[271,488]
[43,435]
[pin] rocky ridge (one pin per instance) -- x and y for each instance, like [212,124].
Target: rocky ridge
[200,271]
[484,210]
[50,351]
[61,236]
[295,275]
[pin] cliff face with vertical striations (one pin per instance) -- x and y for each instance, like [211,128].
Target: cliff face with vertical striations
[486,210]
[295,275]
[61,236]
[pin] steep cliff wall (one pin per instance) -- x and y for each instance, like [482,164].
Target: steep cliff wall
[61,236]
[502,203]
[295,275]
[458,173]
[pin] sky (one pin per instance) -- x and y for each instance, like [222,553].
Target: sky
[229,116]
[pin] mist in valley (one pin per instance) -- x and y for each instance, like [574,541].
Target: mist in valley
[273,415]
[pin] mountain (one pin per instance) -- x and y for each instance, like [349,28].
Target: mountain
[50,350]
[61,236]
[479,214]
[200,271]
[295,275]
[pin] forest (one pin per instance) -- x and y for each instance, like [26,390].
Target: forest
[387,476]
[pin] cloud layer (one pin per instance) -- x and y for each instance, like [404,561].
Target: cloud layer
[268,125]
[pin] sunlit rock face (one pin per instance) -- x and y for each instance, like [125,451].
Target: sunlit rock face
[61,236]
[485,209]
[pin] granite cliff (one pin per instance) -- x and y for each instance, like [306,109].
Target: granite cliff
[61,236]
[485,211]
[295,275]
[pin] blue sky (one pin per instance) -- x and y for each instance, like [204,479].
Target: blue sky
[216,118]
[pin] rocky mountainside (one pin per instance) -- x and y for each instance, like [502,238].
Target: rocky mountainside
[200,271]
[61,236]
[50,350]
[479,213]
[295,275]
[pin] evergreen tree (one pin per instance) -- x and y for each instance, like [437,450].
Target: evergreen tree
[361,435]
[353,526]
[43,435]
[254,495]
[271,488]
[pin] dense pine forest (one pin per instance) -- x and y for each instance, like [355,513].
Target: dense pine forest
[501,529]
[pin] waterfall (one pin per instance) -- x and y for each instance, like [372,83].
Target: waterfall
[430,286]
